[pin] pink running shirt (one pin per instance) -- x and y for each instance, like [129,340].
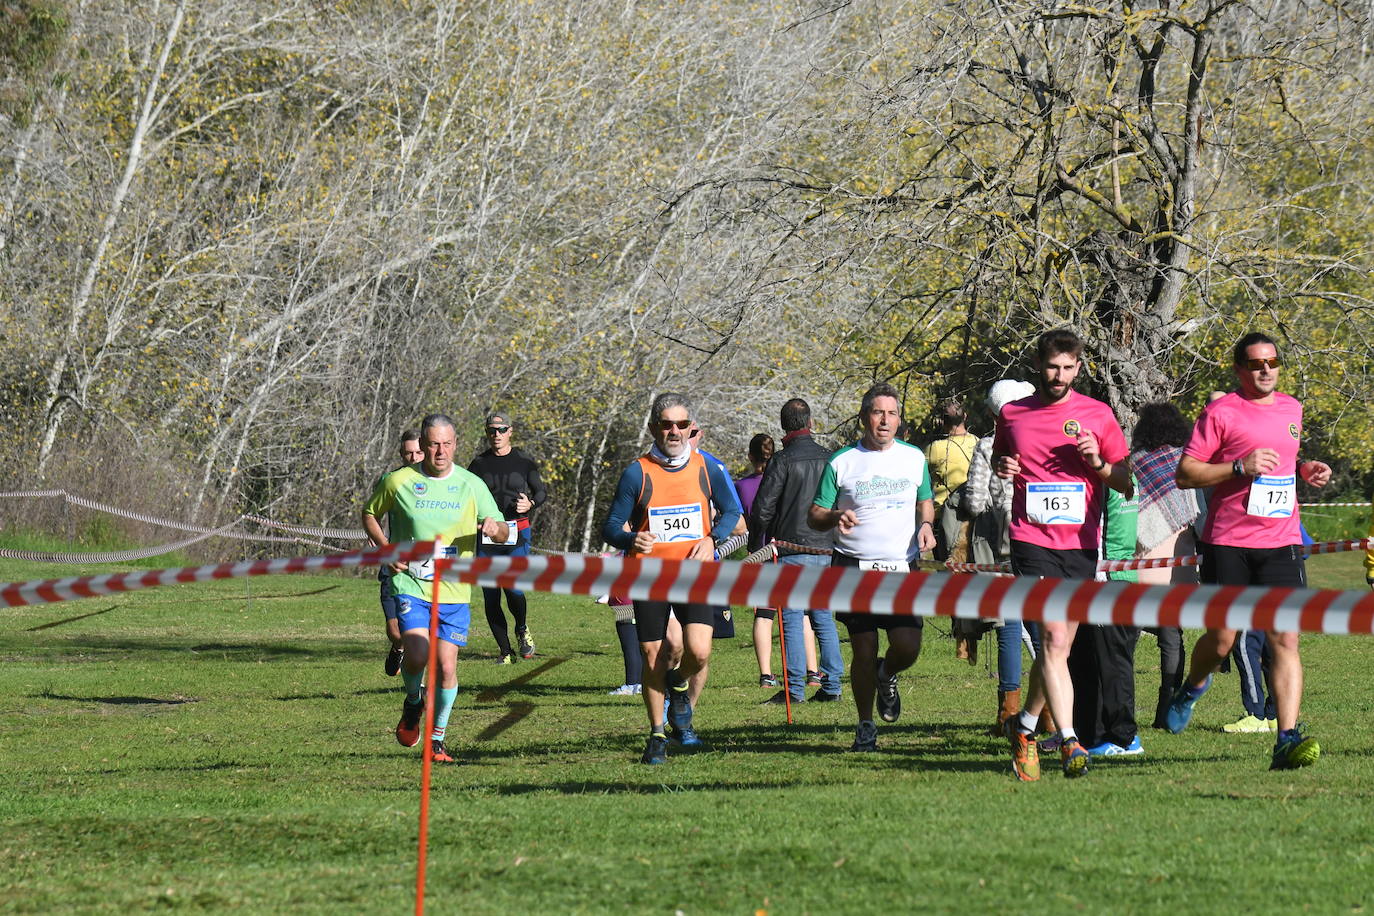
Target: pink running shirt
[1046,438]
[1232,427]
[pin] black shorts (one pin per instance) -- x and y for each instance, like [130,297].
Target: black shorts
[1048,563]
[872,623]
[651,617]
[1281,567]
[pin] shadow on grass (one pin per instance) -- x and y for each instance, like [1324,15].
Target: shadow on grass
[115,701]
[58,623]
[373,691]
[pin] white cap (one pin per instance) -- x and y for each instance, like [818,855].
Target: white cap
[1006,390]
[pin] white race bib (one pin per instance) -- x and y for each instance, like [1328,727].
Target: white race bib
[1057,503]
[1272,497]
[512,536]
[424,569]
[885,565]
[677,523]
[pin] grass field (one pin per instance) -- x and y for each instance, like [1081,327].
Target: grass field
[228,747]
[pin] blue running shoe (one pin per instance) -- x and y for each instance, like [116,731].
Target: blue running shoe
[1111,749]
[656,751]
[1181,706]
[1295,749]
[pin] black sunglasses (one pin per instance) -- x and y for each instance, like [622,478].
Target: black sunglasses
[666,425]
[1255,365]
[493,430]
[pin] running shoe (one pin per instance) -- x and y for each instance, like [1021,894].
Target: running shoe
[822,696]
[1050,743]
[1181,707]
[656,751]
[865,737]
[889,700]
[813,679]
[780,699]
[507,658]
[439,753]
[1025,759]
[526,642]
[1247,724]
[768,680]
[1295,749]
[1073,758]
[627,690]
[408,729]
[393,661]
[680,727]
[1111,749]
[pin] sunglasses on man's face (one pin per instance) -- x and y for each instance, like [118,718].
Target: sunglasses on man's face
[666,425]
[1255,365]
[493,430]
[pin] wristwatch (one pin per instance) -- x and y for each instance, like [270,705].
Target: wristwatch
[1237,469]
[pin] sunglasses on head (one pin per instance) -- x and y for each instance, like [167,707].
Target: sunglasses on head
[667,425]
[493,430]
[1255,365]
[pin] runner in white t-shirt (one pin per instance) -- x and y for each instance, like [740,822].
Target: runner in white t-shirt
[1245,445]
[877,494]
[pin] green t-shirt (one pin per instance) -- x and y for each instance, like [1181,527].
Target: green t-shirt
[1119,536]
[421,508]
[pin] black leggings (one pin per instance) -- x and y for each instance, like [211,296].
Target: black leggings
[496,619]
[629,648]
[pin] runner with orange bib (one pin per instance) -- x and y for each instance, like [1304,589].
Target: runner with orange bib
[667,497]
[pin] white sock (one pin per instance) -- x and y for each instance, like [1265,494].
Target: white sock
[1028,723]
[1068,734]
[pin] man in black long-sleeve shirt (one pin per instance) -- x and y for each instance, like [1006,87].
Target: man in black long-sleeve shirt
[514,482]
[780,509]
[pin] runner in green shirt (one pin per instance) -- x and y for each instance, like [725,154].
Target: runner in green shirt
[424,501]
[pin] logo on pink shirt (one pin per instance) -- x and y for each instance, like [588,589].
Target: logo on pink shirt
[1072,429]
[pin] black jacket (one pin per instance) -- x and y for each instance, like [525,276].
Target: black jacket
[787,492]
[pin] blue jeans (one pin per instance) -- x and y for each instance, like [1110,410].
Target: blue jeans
[1009,656]
[827,639]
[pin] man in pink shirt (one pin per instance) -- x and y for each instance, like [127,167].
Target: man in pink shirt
[1060,449]
[1245,444]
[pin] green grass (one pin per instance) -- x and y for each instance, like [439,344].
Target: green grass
[228,746]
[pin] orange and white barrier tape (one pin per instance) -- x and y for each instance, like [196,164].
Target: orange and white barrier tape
[837,588]
[1333,505]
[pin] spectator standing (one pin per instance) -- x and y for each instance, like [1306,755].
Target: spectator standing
[779,512]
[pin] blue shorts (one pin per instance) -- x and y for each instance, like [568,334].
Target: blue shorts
[453,618]
[391,604]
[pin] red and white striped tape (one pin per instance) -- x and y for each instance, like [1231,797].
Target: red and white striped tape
[1331,505]
[47,591]
[836,588]
[1118,565]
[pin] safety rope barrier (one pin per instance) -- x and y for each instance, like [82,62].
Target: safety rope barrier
[841,589]
[345,534]
[116,556]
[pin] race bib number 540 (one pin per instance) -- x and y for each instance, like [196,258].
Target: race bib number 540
[677,523]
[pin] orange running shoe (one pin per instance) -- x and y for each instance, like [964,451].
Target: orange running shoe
[439,753]
[1074,759]
[1025,759]
[408,729]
